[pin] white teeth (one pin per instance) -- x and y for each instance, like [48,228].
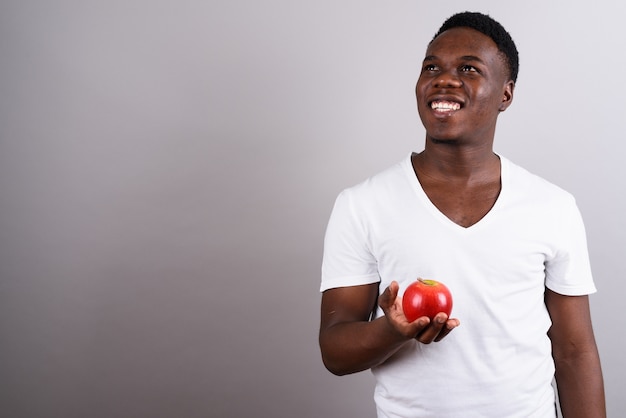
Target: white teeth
[445,106]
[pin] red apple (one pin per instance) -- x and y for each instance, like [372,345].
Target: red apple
[426,297]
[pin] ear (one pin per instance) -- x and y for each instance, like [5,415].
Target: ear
[507,97]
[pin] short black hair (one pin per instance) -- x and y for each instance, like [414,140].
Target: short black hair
[485,24]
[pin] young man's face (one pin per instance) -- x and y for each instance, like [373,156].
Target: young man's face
[463,86]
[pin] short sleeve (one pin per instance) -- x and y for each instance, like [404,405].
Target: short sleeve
[569,271]
[347,258]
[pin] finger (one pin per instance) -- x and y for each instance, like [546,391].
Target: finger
[388,297]
[393,289]
[431,332]
[449,326]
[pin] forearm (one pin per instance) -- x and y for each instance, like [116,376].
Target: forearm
[580,385]
[351,347]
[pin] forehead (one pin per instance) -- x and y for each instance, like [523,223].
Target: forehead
[463,42]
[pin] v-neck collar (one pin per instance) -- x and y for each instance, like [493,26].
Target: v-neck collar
[440,216]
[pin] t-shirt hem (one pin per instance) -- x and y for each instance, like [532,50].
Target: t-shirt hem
[572,290]
[348,281]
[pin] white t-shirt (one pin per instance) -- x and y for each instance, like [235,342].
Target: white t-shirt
[498,362]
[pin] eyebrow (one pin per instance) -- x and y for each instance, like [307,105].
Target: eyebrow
[464,58]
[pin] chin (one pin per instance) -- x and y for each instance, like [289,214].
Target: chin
[444,141]
[443,136]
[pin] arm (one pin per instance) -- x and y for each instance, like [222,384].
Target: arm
[350,342]
[578,372]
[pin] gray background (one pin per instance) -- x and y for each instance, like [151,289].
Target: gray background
[167,169]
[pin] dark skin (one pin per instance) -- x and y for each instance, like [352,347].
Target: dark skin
[463,86]
[578,370]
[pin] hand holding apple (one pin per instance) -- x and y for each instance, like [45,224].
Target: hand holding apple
[425,330]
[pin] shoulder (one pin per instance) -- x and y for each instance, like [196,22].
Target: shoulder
[529,185]
[392,180]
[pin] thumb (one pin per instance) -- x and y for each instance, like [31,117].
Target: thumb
[388,297]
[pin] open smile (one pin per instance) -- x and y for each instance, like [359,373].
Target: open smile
[445,106]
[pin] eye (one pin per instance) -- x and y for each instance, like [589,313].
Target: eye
[429,67]
[468,69]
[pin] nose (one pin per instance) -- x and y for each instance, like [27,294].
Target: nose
[447,80]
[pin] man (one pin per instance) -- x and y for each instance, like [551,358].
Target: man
[510,246]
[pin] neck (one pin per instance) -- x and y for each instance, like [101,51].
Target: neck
[448,160]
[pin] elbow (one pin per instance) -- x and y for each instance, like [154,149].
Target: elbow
[335,360]
[334,367]
[338,358]
[330,358]
[341,363]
